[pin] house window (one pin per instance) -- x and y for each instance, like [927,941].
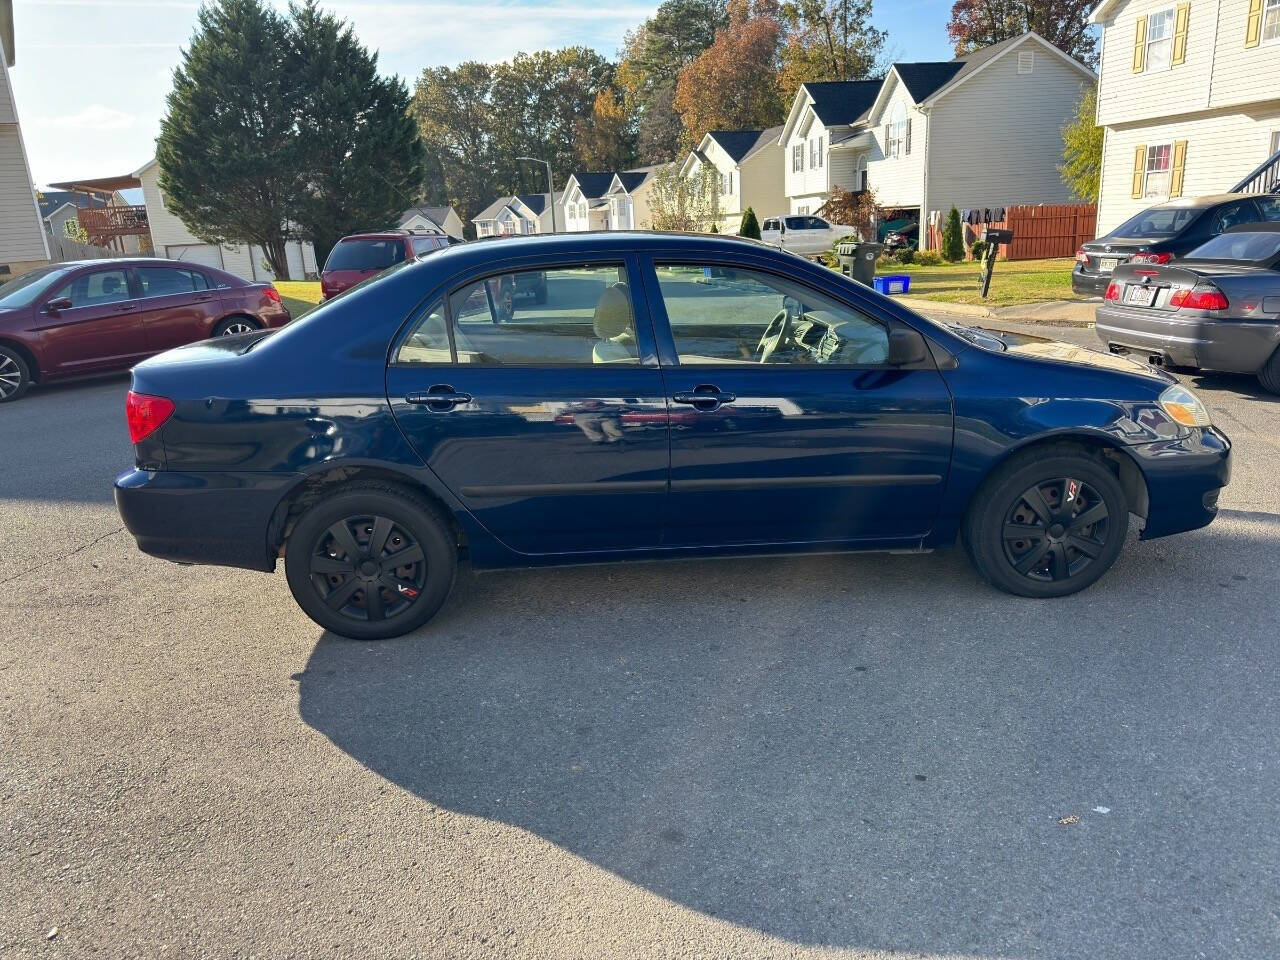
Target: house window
[1160,40]
[797,158]
[1271,21]
[861,180]
[813,154]
[896,132]
[1159,167]
[820,151]
[1026,61]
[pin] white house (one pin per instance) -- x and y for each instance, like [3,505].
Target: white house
[628,199]
[22,238]
[171,238]
[747,164]
[425,219]
[1188,98]
[523,214]
[980,131]
[586,202]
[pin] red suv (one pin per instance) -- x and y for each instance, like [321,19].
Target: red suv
[94,316]
[362,255]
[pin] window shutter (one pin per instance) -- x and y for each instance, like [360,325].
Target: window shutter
[1253,27]
[907,147]
[1179,166]
[1140,45]
[1139,169]
[1180,34]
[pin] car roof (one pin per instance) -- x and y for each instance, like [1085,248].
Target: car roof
[586,242]
[1195,203]
[381,235]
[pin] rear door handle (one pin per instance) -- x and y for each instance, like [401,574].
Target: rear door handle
[440,398]
[705,397]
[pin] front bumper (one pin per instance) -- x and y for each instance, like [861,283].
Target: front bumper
[213,518]
[1184,478]
[1234,346]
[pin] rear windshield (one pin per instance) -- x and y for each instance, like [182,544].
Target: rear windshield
[1238,246]
[1157,222]
[25,289]
[365,255]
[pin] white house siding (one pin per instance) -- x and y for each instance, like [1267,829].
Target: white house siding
[21,233]
[806,188]
[986,156]
[899,181]
[1222,149]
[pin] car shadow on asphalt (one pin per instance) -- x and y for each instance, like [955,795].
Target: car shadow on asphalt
[858,752]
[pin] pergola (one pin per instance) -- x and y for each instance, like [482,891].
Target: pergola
[107,226]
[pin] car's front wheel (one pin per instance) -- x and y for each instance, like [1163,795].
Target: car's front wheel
[15,376]
[371,561]
[1048,523]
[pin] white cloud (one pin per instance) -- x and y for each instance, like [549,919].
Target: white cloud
[93,117]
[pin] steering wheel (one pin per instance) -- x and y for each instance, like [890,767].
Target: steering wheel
[776,334]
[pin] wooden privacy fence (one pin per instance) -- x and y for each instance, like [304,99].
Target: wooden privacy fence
[1039,232]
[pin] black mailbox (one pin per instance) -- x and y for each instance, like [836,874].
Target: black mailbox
[992,235]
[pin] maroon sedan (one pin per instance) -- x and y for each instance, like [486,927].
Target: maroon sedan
[72,319]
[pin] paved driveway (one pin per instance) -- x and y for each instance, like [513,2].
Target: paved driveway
[824,756]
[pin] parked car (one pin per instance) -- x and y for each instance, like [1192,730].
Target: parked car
[362,255]
[94,316]
[1217,308]
[802,234]
[904,237]
[1165,232]
[392,429]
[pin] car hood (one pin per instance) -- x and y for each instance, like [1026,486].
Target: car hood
[1042,348]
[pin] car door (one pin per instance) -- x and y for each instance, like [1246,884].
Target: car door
[788,425]
[798,237]
[176,306]
[547,420]
[100,330]
[771,231]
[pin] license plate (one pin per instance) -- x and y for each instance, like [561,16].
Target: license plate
[1138,296]
[1107,264]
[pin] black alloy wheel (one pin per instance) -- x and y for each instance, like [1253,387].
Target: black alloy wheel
[1056,529]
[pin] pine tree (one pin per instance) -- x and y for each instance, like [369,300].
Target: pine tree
[750,225]
[714,229]
[953,238]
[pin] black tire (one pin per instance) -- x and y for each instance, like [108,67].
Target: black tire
[1269,375]
[335,593]
[1026,530]
[235,325]
[15,375]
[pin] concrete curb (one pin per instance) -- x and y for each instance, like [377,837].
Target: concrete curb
[1055,313]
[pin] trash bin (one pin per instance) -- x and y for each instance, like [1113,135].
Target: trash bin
[858,260]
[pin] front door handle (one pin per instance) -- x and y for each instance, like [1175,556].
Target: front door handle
[705,397]
[204,297]
[441,398]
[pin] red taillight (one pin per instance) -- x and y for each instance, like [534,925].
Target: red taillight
[1113,291]
[1203,297]
[146,413]
[1151,258]
[272,294]
[1081,256]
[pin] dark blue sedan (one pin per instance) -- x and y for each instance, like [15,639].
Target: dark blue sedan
[669,395]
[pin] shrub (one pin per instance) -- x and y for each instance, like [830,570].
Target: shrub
[714,229]
[750,225]
[953,238]
[906,255]
[978,248]
[928,258]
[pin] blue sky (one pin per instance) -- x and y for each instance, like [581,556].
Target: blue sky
[91,75]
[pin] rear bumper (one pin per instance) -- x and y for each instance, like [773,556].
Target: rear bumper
[1184,478]
[1232,346]
[214,518]
[1089,284]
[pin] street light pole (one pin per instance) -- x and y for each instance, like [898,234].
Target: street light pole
[551,189]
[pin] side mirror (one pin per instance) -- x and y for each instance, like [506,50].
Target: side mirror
[58,303]
[906,347]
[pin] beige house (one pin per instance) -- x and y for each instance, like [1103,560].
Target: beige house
[1189,99]
[746,165]
[628,199]
[425,219]
[519,214]
[171,238]
[22,238]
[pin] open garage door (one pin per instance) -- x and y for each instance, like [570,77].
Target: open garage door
[205,254]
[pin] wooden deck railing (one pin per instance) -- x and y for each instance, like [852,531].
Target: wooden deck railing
[103,224]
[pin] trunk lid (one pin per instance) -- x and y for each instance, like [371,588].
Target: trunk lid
[1143,287]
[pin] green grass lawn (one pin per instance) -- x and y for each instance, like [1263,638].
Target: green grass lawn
[300,296]
[1014,281]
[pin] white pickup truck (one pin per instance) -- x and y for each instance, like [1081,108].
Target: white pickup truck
[802,234]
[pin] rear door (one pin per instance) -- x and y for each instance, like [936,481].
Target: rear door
[175,304]
[101,329]
[787,425]
[548,421]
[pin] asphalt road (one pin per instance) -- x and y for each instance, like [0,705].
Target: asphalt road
[853,756]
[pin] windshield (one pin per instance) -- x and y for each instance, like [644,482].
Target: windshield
[24,290]
[1157,222]
[1238,246]
[365,254]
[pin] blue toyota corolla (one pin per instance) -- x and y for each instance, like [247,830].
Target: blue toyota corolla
[661,395]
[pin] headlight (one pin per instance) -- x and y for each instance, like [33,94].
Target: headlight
[1184,407]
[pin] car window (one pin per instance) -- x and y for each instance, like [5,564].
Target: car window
[565,315]
[1231,215]
[429,341]
[423,245]
[1157,222]
[770,225]
[1270,207]
[98,287]
[169,281]
[817,223]
[797,223]
[729,315]
[368,254]
[1243,246]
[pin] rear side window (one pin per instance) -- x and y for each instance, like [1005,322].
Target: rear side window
[1270,207]
[770,225]
[559,316]
[423,245]
[168,281]
[365,254]
[797,223]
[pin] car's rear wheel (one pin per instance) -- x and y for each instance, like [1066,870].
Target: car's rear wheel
[15,375]
[1269,375]
[372,561]
[1048,523]
[233,325]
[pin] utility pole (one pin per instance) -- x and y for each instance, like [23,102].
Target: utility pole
[551,189]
